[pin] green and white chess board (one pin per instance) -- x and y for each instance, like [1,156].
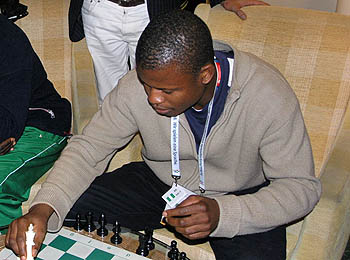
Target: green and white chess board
[68,245]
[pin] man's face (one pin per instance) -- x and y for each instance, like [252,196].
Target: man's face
[171,92]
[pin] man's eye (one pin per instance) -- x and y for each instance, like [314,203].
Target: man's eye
[167,91]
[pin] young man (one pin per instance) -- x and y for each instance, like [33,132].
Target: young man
[113,27]
[34,120]
[227,128]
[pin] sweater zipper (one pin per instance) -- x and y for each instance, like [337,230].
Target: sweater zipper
[52,114]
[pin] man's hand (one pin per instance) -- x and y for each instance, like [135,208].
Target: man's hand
[236,5]
[16,237]
[7,145]
[195,218]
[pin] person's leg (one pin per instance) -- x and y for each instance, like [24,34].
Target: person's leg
[131,195]
[103,28]
[261,246]
[134,23]
[33,155]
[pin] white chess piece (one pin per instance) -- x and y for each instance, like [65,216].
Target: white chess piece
[30,234]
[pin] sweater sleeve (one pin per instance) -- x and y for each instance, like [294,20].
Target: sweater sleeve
[15,88]
[287,162]
[86,156]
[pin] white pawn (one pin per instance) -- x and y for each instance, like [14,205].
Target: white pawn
[30,234]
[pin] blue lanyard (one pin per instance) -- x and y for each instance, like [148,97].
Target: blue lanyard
[175,160]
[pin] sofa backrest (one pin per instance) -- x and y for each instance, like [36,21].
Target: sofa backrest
[47,29]
[310,48]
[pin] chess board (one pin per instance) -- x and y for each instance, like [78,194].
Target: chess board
[68,245]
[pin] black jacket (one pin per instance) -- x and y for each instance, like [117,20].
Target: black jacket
[76,29]
[27,97]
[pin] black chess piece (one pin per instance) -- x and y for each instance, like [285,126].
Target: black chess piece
[173,254]
[142,249]
[116,238]
[149,238]
[183,256]
[90,226]
[78,226]
[102,230]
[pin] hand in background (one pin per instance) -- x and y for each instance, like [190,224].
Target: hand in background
[15,239]
[195,218]
[7,145]
[236,5]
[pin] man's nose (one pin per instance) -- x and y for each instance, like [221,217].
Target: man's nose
[155,96]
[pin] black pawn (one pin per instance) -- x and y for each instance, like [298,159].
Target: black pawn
[102,230]
[142,249]
[78,225]
[90,226]
[116,238]
[173,254]
[182,256]
[149,238]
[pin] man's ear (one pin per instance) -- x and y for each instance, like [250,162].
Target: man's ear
[207,73]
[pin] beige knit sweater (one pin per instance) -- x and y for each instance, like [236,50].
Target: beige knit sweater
[260,135]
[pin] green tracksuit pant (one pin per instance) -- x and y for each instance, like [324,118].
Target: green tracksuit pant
[33,155]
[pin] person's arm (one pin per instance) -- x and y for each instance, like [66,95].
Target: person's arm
[287,162]
[87,155]
[16,236]
[15,80]
[195,218]
[237,5]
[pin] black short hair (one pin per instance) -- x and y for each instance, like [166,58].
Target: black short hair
[177,37]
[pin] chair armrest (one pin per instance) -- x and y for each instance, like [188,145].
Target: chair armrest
[326,230]
[203,10]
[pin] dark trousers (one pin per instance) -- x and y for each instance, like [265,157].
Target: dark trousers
[132,195]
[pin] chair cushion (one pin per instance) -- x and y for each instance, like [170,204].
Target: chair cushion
[310,48]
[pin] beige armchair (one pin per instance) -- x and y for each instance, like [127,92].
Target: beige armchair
[311,48]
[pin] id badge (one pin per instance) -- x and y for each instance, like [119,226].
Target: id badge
[174,196]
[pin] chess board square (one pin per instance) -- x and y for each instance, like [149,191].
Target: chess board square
[49,238]
[8,255]
[67,256]
[62,243]
[42,247]
[100,255]
[80,250]
[50,253]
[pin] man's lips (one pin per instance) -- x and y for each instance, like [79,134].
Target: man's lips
[161,110]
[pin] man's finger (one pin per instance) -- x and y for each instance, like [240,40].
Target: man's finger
[5,147]
[195,232]
[190,221]
[21,242]
[11,243]
[38,239]
[184,211]
[253,2]
[197,235]
[241,14]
